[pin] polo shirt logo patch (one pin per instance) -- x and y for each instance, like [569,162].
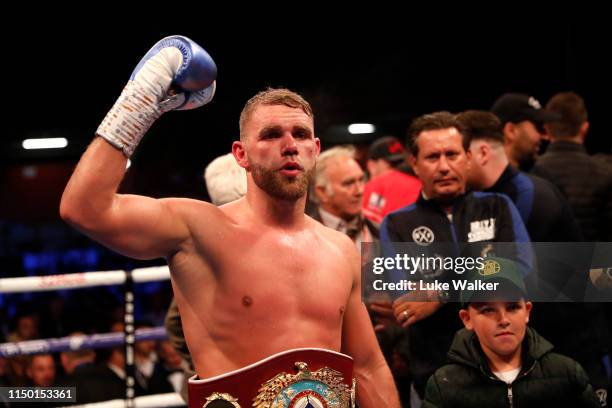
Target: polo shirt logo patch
[422,235]
[482,230]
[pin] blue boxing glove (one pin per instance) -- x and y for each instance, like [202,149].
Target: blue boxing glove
[176,74]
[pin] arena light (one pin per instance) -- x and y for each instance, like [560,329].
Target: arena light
[361,128]
[45,143]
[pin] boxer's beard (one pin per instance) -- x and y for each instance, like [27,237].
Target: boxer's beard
[279,186]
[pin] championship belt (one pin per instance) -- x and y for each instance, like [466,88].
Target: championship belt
[298,378]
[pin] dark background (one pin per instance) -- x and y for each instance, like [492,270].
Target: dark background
[65,73]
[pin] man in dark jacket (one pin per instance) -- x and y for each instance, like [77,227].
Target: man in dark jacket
[543,208]
[585,181]
[441,223]
[497,361]
[548,218]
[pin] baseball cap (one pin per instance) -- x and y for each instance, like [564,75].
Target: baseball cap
[517,107]
[388,148]
[504,271]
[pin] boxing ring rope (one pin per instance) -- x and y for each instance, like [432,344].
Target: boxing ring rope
[82,280]
[104,340]
[73,343]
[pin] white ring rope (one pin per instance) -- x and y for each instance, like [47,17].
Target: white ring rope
[81,280]
[90,279]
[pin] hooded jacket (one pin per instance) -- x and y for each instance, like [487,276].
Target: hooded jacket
[546,379]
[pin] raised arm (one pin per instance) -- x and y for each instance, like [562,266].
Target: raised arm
[375,386]
[175,74]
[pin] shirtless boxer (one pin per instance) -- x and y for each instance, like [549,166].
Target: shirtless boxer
[251,278]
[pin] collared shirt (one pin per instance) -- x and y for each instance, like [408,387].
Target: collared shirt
[361,235]
[447,210]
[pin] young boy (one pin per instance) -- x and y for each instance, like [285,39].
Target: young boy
[498,361]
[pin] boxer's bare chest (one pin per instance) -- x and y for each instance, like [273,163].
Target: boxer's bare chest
[267,274]
[252,291]
[274,272]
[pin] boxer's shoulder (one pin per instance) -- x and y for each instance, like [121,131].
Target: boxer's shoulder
[193,212]
[334,238]
[187,205]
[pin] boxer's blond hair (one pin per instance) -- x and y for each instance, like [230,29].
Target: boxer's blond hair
[273,96]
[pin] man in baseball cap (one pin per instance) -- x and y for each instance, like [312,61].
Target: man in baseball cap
[392,183]
[522,119]
[385,153]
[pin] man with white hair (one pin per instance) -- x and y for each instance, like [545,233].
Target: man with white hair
[337,191]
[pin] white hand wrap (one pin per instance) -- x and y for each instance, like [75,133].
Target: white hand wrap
[139,106]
